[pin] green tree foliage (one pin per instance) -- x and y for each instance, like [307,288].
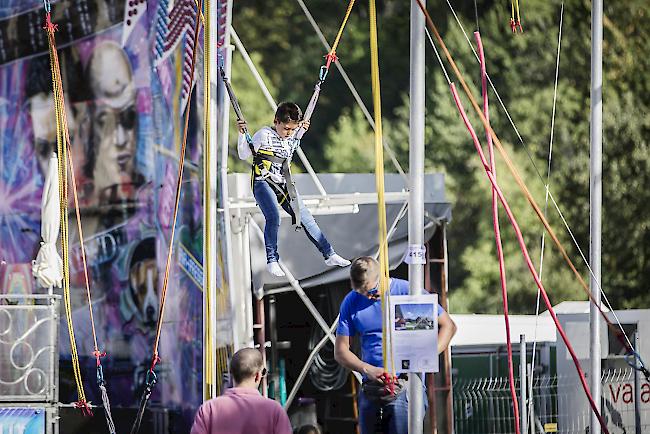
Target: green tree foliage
[522,68]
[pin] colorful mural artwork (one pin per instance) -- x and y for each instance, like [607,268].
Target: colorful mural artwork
[125,74]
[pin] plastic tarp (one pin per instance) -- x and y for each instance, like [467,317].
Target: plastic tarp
[351,234]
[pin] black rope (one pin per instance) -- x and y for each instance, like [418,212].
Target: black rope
[238,112]
[144,400]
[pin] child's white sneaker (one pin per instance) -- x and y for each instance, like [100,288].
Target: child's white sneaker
[336,260]
[274,268]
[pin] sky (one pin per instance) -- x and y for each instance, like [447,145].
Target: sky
[412,311]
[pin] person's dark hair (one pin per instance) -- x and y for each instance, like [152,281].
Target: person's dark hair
[245,363]
[39,77]
[308,429]
[362,270]
[288,112]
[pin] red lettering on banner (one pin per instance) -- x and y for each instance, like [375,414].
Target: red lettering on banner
[614,396]
[628,396]
[645,393]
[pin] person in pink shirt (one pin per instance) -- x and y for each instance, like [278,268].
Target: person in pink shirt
[241,409]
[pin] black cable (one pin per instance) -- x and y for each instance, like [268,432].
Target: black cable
[325,373]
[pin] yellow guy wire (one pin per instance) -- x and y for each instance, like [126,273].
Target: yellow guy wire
[379,180]
[61,137]
[207,207]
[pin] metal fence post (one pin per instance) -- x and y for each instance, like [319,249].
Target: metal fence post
[523,421]
[637,389]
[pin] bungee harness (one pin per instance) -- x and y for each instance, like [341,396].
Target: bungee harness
[263,159]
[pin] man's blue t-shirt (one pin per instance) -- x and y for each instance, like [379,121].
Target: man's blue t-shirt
[362,316]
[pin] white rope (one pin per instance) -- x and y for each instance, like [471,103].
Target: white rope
[353,90]
[548,191]
[435,50]
[548,182]
[107,409]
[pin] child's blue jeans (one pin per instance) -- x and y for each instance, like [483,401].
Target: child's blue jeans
[268,203]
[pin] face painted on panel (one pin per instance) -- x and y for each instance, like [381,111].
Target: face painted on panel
[114,116]
[41,110]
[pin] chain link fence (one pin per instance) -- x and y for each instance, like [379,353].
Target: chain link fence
[484,405]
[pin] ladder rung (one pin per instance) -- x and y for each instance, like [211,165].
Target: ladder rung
[437,261]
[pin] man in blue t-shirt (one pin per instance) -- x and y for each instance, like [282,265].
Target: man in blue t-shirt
[361,315]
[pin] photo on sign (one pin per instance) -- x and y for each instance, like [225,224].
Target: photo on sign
[413,316]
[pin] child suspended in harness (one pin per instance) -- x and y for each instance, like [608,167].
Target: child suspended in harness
[273,186]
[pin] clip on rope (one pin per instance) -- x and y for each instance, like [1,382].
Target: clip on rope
[632,357]
[101,383]
[150,382]
[389,381]
[151,375]
[514,11]
[331,56]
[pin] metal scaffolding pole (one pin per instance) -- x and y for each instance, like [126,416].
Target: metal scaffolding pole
[305,368]
[416,194]
[301,293]
[219,186]
[595,201]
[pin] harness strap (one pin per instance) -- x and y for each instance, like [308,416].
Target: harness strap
[272,158]
[294,203]
[287,190]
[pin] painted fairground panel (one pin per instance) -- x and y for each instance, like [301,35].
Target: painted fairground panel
[125,68]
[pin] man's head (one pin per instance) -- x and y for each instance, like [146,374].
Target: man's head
[308,429]
[40,102]
[114,116]
[247,368]
[287,119]
[364,274]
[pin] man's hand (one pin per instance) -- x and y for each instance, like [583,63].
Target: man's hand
[374,373]
[305,124]
[241,125]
